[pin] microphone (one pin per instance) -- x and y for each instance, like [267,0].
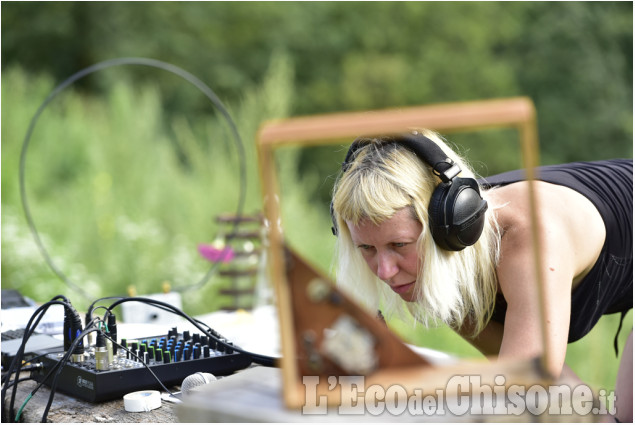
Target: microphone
[196,380]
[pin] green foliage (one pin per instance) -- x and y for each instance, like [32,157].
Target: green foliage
[121,191]
[574,59]
[126,171]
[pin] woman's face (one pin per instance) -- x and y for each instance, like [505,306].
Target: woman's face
[390,250]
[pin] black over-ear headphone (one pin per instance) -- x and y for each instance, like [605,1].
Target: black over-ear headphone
[456,213]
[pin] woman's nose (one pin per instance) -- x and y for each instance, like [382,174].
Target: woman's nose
[386,266]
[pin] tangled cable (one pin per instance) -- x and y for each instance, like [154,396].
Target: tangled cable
[73,344]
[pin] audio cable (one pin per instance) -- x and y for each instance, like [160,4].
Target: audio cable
[74,347]
[256,358]
[15,366]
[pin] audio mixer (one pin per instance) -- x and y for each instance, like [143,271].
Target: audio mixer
[100,375]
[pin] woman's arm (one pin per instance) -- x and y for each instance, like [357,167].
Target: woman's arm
[488,342]
[523,333]
[570,234]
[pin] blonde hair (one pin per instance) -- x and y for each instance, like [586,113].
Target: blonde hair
[453,287]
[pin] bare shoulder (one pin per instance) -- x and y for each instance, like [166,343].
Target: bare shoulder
[570,225]
[571,234]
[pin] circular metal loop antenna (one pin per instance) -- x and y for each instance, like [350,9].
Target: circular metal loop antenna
[201,86]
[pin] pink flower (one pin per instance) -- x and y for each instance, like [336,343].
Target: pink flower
[214,254]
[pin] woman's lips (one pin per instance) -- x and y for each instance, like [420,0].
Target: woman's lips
[402,289]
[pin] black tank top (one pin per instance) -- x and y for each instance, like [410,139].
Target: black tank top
[608,288]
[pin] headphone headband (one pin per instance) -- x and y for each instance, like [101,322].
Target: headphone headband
[428,151]
[456,212]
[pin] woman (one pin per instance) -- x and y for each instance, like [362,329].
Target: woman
[477,275]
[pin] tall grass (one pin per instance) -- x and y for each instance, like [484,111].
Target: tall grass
[122,192]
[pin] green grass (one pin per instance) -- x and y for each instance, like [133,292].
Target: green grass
[122,192]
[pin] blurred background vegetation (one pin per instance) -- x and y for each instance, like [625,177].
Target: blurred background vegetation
[128,168]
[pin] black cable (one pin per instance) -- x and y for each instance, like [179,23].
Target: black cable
[140,360]
[15,368]
[60,297]
[60,366]
[27,334]
[92,307]
[182,314]
[16,382]
[9,384]
[16,364]
[28,368]
[261,359]
[256,358]
[206,90]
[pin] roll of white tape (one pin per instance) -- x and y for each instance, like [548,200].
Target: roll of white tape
[142,401]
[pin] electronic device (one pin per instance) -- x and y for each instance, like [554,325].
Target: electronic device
[16,312]
[171,358]
[18,309]
[37,343]
[456,210]
[99,372]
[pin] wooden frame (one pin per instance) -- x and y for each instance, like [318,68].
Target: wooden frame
[518,113]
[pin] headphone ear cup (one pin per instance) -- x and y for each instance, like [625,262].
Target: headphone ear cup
[468,213]
[456,214]
[436,215]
